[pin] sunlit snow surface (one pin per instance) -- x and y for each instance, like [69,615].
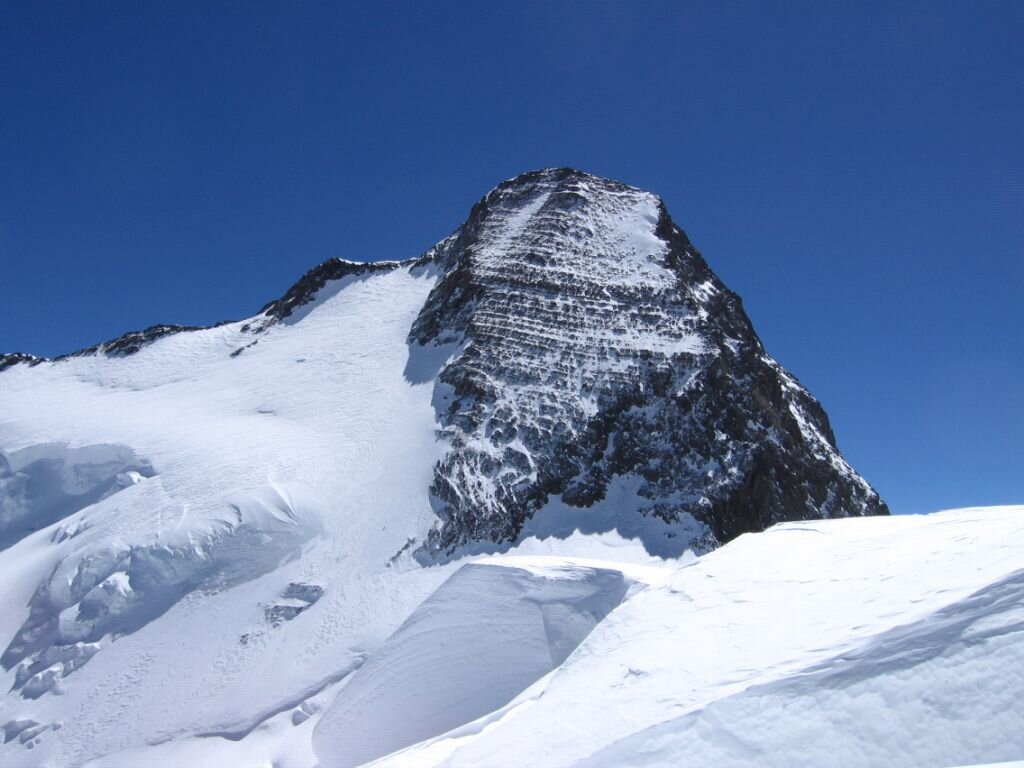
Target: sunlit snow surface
[858,642]
[206,561]
[162,610]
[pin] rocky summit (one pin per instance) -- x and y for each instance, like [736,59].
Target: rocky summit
[593,348]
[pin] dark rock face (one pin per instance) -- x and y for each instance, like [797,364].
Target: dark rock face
[592,348]
[306,289]
[133,341]
[122,346]
[13,358]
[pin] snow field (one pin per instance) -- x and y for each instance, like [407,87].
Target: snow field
[854,642]
[301,460]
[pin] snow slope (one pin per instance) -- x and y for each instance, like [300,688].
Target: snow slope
[858,642]
[492,630]
[231,494]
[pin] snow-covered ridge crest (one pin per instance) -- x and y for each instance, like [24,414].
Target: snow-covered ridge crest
[307,289]
[217,515]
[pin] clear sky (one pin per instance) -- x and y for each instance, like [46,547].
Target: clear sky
[854,170]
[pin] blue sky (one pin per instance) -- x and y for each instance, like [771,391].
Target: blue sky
[855,171]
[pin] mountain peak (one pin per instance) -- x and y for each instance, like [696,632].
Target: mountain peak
[599,354]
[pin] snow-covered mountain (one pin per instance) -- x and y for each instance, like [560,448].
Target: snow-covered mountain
[407,499]
[591,353]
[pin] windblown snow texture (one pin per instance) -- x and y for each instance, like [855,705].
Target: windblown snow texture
[592,341]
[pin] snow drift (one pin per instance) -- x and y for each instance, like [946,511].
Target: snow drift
[488,633]
[870,642]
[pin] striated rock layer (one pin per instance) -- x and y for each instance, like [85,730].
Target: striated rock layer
[593,346]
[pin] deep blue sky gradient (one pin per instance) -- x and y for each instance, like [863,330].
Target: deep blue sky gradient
[855,171]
